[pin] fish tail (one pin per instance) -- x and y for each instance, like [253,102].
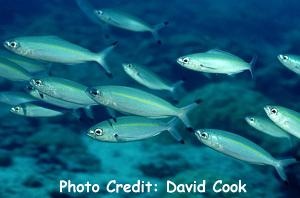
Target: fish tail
[173,131]
[280,167]
[185,111]
[177,89]
[100,58]
[252,64]
[156,29]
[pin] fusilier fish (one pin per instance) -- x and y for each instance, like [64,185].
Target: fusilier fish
[37,109]
[292,62]
[52,100]
[287,119]
[149,79]
[11,71]
[55,49]
[241,148]
[32,66]
[216,61]
[63,89]
[267,126]
[131,128]
[126,21]
[138,102]
[15,97]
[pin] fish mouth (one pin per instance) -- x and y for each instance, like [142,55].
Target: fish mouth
[179,61]
[6,44]
[280,57]
[267,109]
[12,109]
[32,83]
[91,134]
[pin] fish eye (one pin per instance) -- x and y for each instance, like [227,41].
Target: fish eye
[98,132]
[12,44]
[285,57]
[38,82]
[186,60]
[95,92]
[129,65]
[99,12]
[16,109]
[274,111]
[252,119]
[204,135]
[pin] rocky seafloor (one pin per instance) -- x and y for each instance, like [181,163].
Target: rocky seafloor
[36,153]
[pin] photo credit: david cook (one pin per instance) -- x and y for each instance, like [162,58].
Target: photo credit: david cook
[145,187]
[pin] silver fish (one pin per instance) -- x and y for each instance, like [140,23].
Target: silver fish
[287,119]
[126,21]
[241,148]
[290,61]
[131,128]
[138,102]
[55,49]
[149,79]
[32,66]
[216,61]
[63,89]
[11,71]
[267,126]
[36,109]
[15,97]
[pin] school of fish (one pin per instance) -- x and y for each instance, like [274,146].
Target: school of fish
[28,60]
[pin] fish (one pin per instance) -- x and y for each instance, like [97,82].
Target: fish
[129,22]
[52,100]
[150,79]
[242,149]
[62,89]
[15,97]
[131,128]
[287,119]
[266,126]
[13,72]
[217,62]
[290,61]
[55,49]
[37,109]
[138,102]
[30,65]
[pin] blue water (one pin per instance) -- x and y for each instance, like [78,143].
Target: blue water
[35,153]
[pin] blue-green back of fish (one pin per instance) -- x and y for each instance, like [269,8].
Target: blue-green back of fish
[55,49]
[12,71]
[30,65]
[14,97]
[242,148]
[66,90]
[124,20]
[139,102]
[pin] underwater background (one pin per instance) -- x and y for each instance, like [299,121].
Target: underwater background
[35,153]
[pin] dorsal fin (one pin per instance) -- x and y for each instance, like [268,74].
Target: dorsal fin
[218,51]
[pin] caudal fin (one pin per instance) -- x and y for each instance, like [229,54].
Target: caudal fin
[156,29]
[281,164]
[173,131]
[101,56]
[252,63]
[185,111]
[177,89]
